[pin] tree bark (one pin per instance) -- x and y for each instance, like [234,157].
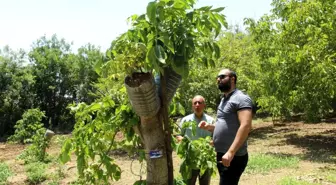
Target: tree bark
[154,129]
[151,132]
[166,129]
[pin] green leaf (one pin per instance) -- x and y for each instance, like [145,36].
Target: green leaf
[142,155]
[151,12]
[178,4]
[180,149]
[209,164]
[117,171]
[205,8]
[205,61]
[130,134]
[194,128]
[140,182]
[108,102]
[161,13]
[180,66]
[95,106]
[185,170]
[160,54]
[217,50]
[218,9]
[134,121]
[190,16]
[65,154]
[167,43]
[172,108]
[221,19]
[141,17]
[151,58]
[81,164]
[180,109]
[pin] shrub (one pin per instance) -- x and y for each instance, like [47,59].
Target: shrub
[36,152]
[26,128]
[36,172]
[4,173]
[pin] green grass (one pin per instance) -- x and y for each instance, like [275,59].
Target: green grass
[329,174]
[331,177]
[261,120]
[293,181]
[257,121]
[5,172]
[56,175]
[59,139]
[36,172]
[263,163]
[53,183]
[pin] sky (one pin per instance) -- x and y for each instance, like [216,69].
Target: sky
[98,22]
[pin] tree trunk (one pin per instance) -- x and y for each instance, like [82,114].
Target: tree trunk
[167,130]
[154,130]
[152,135]
[146,103]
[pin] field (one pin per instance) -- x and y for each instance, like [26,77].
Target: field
[283,154]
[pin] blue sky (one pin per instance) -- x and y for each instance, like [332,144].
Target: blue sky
[93,21]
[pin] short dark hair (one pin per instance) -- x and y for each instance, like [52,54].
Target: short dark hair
[232,73]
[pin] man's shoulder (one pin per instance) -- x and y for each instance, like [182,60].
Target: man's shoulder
[240,95]
[207,116]
[188,118]
[242,100]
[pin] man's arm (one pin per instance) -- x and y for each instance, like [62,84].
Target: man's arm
[245,119]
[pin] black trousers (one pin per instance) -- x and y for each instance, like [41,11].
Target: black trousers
[203,180]
[231,175]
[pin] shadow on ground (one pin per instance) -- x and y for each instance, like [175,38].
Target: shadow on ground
[268,131]
[319,147]
[318,142]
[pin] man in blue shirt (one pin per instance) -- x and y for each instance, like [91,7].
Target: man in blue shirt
[198,105]
[230,132]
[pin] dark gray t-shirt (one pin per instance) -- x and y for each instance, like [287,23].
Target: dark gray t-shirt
[227,122]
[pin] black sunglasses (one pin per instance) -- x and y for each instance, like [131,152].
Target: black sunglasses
[222,76]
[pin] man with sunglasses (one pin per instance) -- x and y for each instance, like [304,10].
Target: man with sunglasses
[230,132]
[198,105]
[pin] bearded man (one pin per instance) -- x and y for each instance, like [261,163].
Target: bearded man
[230,132]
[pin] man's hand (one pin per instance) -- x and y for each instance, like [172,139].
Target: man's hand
[227,158]
[202,124]
[212,143]
[179,138]
[206,126]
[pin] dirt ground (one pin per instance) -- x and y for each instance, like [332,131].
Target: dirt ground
[313,144]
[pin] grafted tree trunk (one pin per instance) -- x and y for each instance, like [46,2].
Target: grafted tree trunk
[154,128]
[145,101]
[152,135]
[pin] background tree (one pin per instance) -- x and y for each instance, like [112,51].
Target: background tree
[52,68]
[62,77]
[238,52]
[49,78]
[16,88]
[296,50]
[87,57]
